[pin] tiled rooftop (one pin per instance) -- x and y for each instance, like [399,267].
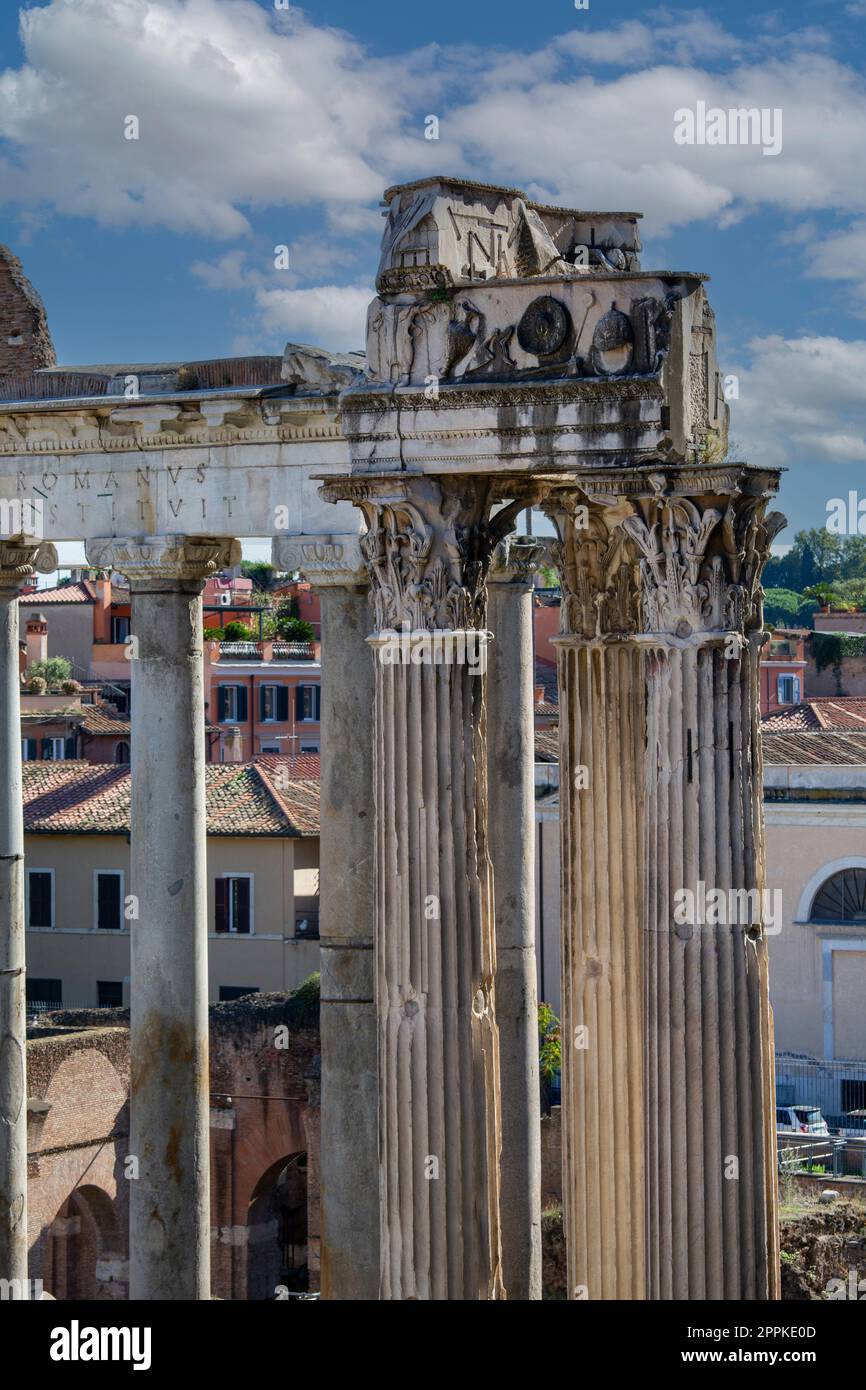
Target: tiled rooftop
[802,748]
[83,592]
[821,712]
[547,745]
[304,767]
[94,798]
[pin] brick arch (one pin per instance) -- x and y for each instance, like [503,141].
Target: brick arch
[277,1229]
[83,1257]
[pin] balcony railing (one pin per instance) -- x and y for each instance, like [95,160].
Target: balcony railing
[267,650]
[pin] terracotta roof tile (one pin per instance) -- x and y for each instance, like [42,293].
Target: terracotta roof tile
[67,593]
[821,712]
[802,747]
[547,745]
[93,798]
[545,674]
[303,767]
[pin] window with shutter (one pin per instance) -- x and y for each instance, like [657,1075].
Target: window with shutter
[221,921]
[282,703]
[308,703]
[239,905]
[109,901]
[39,896]
[241,694]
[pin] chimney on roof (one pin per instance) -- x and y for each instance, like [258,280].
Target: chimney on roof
[25,342]
[539,695]
[36,636]
[233,746]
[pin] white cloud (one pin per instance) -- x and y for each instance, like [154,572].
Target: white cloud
[801,401]
[236,108]
[334,315]
[241,108]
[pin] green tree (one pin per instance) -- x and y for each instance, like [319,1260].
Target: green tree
[549,1043]
[53,671]
[237,632]
[786,608]
[293,629]
[260,572]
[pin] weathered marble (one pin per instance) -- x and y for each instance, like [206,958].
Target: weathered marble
[20,558]
[669,1151]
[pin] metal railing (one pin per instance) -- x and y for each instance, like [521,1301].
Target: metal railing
[254,651]
[838,1089]
[37,1007]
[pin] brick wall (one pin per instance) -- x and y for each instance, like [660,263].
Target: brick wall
[264,1118]
[25,342]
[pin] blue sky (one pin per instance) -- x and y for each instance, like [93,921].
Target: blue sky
[260,127]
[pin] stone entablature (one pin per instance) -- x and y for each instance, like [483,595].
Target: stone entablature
[442,231]
[236,465]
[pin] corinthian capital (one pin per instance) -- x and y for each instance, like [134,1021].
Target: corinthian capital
[597,571]
[428,546]
[703,540]
[170,561]
[517,559]
[21,557]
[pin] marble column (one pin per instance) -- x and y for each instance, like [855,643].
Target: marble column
[349,1163]
[669,1140]
[511,759]
[428,548]
[601,761]
[19,558]
[169,1109]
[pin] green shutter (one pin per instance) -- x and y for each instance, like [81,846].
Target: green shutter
[221,923]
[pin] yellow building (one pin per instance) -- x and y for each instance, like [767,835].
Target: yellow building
[263,879]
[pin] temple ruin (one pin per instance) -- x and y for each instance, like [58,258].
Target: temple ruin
[517,356]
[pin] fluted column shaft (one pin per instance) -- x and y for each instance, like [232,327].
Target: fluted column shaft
[428,547]
[18,559]
[669,1158]
[169,1088]
[511,751]
[711,1181]
[601,757]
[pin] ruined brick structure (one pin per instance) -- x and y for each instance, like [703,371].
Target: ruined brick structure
[25,342]
[264,1120]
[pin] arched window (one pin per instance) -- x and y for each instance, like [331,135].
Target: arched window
[121,753]
[841,898]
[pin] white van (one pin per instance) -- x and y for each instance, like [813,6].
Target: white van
[800,1119]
